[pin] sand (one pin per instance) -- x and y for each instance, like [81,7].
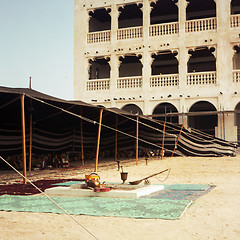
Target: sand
[215,215]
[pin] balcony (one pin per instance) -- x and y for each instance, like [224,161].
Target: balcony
[199,25]
[169,80]
[201,78]
[236,76]
[129,33]
[97,37]
[163,29]
[129,82]
[235,21]
[99,84]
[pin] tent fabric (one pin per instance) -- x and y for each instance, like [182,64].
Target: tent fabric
[57,128]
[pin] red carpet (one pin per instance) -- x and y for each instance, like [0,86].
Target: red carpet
[28,189]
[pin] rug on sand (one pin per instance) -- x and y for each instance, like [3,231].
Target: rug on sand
[28,189]
[146,207]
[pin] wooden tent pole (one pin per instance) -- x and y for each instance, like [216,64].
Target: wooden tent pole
[116,135]
[23,140]
[82,142]
[30,139]
[177,140]
[98,140]
[137,128]
[163,140]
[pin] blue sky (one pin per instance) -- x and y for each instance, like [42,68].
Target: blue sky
[36,39]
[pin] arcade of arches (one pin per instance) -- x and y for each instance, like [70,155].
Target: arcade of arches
[201,115]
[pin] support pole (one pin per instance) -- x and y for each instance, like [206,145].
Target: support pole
[23,140]
[30,139]
[98,140]
[81,126]
[116,135]
[177,140]
[163,140]
[137,128]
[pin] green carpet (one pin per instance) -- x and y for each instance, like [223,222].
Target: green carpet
[131,208]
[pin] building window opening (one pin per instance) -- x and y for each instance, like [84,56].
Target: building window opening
[164,62]
[236,58]
[130,66]
[235,7]
[201,9]
[165,110]
[99,68]
[132,108]
[100,20]
[202,60]
[164,11]
[205,123]
[130,16]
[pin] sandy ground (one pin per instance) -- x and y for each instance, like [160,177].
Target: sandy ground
[215,215]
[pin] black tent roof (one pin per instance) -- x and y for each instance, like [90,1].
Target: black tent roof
[56,128]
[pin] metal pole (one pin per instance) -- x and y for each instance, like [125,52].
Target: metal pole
[98,140]
[23,141]
[137,128]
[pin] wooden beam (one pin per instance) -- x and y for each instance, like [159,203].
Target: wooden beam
[82,153]
[116,135]
[30,139]
[98,140]
[177,140]
[137,129]
[163,140]
[23,140]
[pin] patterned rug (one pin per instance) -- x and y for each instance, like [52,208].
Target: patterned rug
[169,203]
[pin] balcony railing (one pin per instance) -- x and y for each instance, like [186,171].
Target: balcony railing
[129,33]
[163,29]
[236,76]
[235,21]
[201,78]
[99,84]
[199,25]
[164,80]
[96,37]
[129,82]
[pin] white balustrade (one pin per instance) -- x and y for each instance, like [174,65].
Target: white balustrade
[198,25]
[129,33]
[129,82]
[163,29]
[235,21]
[96,37]
[99,84]
[201,78]
[169,80]
[236,76]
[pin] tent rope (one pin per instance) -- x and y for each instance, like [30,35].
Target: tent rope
[74,219]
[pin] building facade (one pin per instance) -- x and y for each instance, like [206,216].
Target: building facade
[174,60]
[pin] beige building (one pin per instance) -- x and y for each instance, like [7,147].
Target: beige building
[176,58]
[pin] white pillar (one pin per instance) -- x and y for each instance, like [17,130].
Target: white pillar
[224,51]
[80,40]
[183,58]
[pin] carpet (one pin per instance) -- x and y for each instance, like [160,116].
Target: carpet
[116,207]
[28,189]
[169,203]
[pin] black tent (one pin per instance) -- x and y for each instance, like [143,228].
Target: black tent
[59,126]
